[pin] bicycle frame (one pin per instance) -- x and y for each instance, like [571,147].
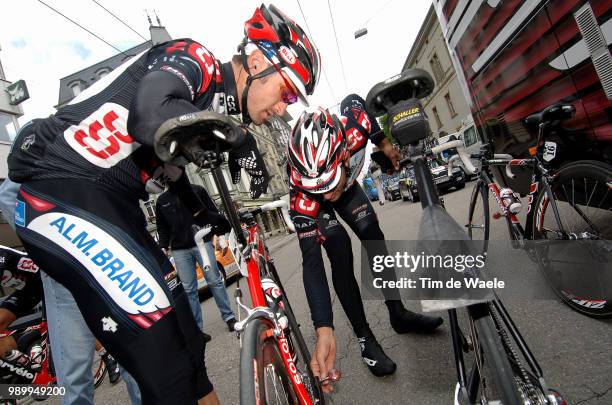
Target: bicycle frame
[258,263]
[516,230]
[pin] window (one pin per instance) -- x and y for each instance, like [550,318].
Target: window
[211,182]
[469,136]
[76,89]
[102,72]
[451,107]
[7,128]
[435,113]
[226,177]
[436,67]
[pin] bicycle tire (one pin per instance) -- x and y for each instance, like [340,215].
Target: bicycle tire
[598,173]
[260,351]
[480,195]
[315,386]
[501,371]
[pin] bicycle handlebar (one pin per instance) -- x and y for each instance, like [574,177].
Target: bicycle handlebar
[284,207]
[463,155]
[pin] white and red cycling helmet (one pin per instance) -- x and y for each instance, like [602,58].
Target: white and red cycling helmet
[286,46]
[316,150]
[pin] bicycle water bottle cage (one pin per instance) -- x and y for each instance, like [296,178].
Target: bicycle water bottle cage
[411,83]
[407,122]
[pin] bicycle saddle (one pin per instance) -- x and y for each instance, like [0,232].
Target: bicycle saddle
[196,133]
[411,83]
[555,112]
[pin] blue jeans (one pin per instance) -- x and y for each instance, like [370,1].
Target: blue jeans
[72,347]
[185,262]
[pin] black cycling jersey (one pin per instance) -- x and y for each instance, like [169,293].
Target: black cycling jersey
[106,133]
[82,171]
[19,272]
[316,224]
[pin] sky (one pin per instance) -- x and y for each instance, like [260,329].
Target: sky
[40,46]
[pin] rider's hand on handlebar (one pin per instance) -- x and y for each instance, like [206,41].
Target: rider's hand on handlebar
[322,363]
[247,157]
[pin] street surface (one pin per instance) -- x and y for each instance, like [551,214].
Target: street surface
[573,350]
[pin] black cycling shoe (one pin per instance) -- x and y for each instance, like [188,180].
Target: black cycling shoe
[404,321]
[230,324]
[373,355]
[112,367]
[207,337]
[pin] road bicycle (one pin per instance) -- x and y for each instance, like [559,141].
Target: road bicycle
[569,203]
[487,335]
[274,357]
[36,367]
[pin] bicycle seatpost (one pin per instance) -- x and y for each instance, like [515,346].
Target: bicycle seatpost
[226,199]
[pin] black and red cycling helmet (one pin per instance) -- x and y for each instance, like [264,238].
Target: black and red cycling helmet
[286,46]
[316,150]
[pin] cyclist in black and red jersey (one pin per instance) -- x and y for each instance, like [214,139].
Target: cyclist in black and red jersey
[20,273]
[326,155]
[84,169]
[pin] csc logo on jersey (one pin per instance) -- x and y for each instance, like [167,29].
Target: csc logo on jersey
[354,139]
[304,206]
[102,137]
[27,264]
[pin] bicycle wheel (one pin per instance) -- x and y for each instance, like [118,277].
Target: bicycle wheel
[263,377]
[583,196]
[478,215]
[497,378]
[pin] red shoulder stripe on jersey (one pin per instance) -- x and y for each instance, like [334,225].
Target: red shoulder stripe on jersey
[36,203]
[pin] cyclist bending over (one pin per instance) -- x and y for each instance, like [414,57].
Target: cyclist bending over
[325,158]
[84,169]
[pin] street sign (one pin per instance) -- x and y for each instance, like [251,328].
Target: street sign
[18,92]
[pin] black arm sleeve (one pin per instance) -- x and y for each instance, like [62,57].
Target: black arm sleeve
[160,96]
[162,226]
[315,280]
[353,108]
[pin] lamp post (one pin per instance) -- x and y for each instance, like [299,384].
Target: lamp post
[361,32]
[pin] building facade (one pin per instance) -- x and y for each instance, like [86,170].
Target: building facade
[446,107]
[8,129]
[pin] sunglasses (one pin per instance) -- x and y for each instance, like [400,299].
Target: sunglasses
[288,95]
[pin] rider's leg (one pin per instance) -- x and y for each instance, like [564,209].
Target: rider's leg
[355,209]
[337,244]
[115,271]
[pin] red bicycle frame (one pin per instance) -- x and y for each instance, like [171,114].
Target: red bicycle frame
[258,258]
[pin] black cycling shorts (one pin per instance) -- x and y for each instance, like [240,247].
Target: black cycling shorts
[95,243]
